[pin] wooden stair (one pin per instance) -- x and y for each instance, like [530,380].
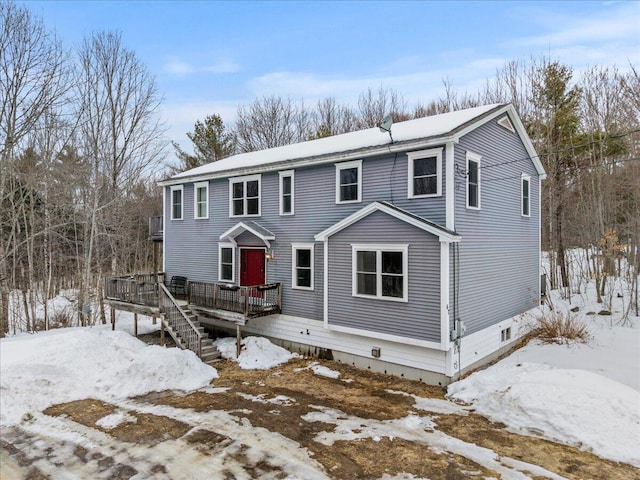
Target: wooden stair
[209,353]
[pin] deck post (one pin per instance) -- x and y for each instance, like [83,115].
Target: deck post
[238,340]
[112,314]
[162,331]
[135,325]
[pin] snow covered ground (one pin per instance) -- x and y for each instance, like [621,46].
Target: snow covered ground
[581,394]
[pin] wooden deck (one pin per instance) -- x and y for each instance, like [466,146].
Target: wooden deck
[236,304]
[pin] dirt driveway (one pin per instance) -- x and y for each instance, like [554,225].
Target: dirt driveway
[288,422]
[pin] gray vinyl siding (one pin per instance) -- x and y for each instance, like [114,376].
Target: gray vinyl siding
[419,318]
[498,275]
[191,246]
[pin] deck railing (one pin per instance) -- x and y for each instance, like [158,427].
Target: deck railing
[251,302]
[179,322]
[141,289]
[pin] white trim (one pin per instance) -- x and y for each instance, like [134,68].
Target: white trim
[418,155]
[232,246]
[539,202]
[344,166]
[241,227]
[385,336]
[450,194]
[524,177]
[376,206]
[294,266]
[506,123]
[164,229]
[325,293]
[197,186]
[444,296]
[177,188]
[240,249]
[379,248]
[473,157]
[244,180]
[283,174]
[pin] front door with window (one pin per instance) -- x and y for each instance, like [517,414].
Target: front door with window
[252,263]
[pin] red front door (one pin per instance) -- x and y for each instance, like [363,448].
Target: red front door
[252,267]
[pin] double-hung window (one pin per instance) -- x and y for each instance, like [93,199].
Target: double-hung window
[526,196]
[226,262]
[473,180]
[425,173]
[380,271]
[201,200]
[176,202]
[244,196]
[302,266]
[349,182]
[286,192]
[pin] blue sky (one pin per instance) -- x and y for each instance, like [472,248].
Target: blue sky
[212,56]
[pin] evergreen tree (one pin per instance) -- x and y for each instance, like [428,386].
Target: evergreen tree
[211,142]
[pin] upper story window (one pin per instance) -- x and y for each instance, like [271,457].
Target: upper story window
[176,202]
[302,266]
[286,192]
[526,195]
[201,200]
[226,262]
[473,180]
[349,182]
[244,196]
[380,271]
[425,173]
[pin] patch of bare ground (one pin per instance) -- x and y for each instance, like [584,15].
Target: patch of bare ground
[564,460]
[148,429]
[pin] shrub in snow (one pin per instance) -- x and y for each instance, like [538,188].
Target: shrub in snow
[558,327]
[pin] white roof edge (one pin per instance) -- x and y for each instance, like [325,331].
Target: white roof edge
[377,206]
[246,228]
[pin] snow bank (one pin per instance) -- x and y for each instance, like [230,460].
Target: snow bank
[256,353]
[575,407]
[41,370]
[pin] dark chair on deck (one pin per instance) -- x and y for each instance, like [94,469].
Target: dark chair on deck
[178,285]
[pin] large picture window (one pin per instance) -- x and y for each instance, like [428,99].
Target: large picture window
[201,200]
[526,195]
[349,182]
[473,180]
[425,173]
[302,266]
[176,202]
[286,192]
[380,271]
[226,262]
[244,196]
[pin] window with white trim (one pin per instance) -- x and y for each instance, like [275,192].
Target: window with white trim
[526,196]
[226,262]
[425,173]
[176,202]
[244,196]
[473,180]
[201,200]
[302,266]
[287,190]
[349,182]
[380,271]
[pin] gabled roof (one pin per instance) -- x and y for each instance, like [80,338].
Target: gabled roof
[252,227]
[412,134]
[444,234]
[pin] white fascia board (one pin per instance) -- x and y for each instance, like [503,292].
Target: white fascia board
[375,206]
[444,296]
[522,133]
[306,162]
[240,227]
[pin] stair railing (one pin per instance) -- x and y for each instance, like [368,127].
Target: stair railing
[179,322]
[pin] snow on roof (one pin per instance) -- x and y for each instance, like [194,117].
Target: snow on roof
[433,126]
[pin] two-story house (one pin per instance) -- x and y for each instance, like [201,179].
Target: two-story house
[381,243]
